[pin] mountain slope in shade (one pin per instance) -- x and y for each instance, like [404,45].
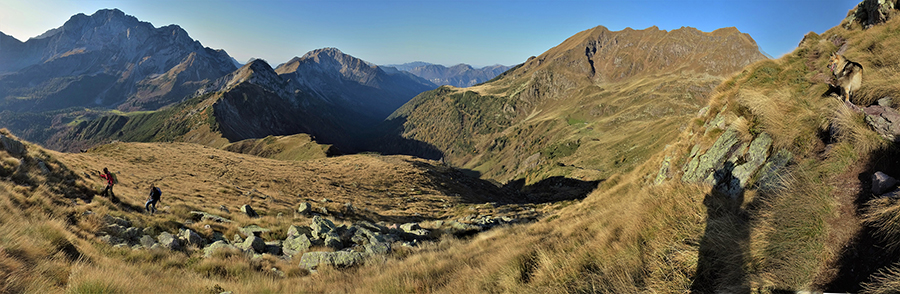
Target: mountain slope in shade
[599,102]
[107,59]
[460,75]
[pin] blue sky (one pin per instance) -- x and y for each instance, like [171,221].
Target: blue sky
[445,32]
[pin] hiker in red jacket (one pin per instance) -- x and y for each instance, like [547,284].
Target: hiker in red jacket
[110,181]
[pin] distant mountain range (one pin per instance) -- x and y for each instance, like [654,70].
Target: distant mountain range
[460,75]
[59,88]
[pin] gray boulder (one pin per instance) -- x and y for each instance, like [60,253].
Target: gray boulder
[321,226]
[702,168]
[203,216]
[769,174]
[218,245]
[273,247]
[756,156]
[311,260]
[169,241]
[13,147]
[333,240]
[378,248]
[116,220]
[253,230]
[408,227]
[298,230]
[305,208]
[249,210]
[255,243]
[885,121]
[882,183]
[294,244]
[147,241]
[192,237]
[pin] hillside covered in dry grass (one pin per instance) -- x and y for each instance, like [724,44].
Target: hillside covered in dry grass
[764,188]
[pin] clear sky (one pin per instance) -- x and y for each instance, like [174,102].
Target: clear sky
[444,32]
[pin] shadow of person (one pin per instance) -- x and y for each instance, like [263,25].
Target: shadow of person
[725,245]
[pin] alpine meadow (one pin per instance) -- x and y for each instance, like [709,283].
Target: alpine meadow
[618,161]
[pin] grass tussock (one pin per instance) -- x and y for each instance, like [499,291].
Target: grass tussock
[883,214]
[884,282]
[850,126]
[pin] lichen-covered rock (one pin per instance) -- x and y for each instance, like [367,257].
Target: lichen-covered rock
[333,240]
[147,241]
[869,13]
[702,168]
[378,248]
[254,243]
[311,260]
[756,156]
[321,226]
[253,230]
[295,244]
[169,241]
[663,173]
[218,245]
[192,237]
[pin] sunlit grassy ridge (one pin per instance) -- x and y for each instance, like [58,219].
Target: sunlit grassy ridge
[599,103]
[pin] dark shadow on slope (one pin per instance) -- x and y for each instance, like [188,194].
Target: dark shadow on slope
[866,253]
[472,189]
[725,245]
[387,139]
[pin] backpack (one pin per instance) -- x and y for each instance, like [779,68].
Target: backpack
[156,193]
[115,179]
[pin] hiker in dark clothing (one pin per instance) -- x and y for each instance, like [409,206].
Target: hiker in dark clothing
[110,181]
[155,194]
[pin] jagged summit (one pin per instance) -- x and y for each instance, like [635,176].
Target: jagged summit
[107,59]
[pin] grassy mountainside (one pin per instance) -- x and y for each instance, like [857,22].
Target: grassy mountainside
[599,103]
[55,216]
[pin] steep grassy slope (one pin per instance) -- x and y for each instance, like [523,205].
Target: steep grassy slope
[597,104]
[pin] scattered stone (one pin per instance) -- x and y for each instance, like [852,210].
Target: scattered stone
[378,248]
[321,226]
[408,227]
[333,240]
[294,244]
[253,230]
[249,211]
[885,120]
[212,248]
[882,182]
[325,200]
[323,210]
[169,241]
[305,208]
[147,241]
[192,237]
[13,147]
[311,260]
[224,209]
[255,243]
[273,247]
[116,220]
[203,216]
